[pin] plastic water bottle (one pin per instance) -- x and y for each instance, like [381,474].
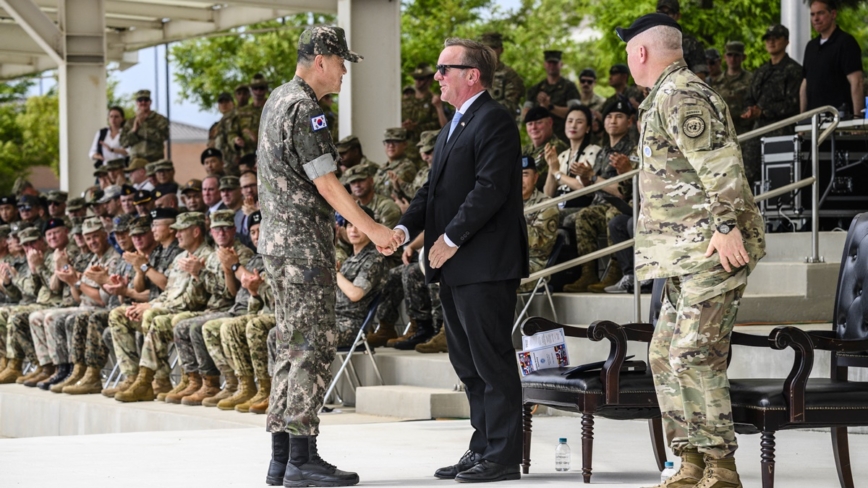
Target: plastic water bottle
[562,455]
[668,471]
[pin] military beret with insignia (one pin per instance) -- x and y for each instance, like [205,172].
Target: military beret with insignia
[128,190]
[536,113]
[54,223]
[646,22]
[255,218]
[163,213]
[92,224]
[165,189]
[142,197]
[188,219]
[29,234]
[326,40]
[621,105]
[528,162]
[8,200]
[210,152]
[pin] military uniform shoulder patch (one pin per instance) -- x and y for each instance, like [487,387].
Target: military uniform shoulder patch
[318,122]
[693,126]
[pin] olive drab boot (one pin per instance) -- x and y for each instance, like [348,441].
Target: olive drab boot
[12,371]
[210,387]
[2,363]
[719,473]
[141,390]
[228,391]
[435,344]
[162,386]
[279,458]
[613,276]
[181,386]
[260,408]
[261,395]
[91,383]
[194,382]
[42,374]
[382,335]
[78,370]
[411,331]
[588,278]
[306,468]
[690,472]
[245,391]
[122,386]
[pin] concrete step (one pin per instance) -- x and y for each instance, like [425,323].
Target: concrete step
[795,246]
[411,402]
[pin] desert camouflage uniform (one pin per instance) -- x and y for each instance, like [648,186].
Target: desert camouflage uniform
[542,231]
[734,91]
[297,245]
[507,88]
[148,141]
[538,155]
[561,94]
[688,143]
[366,270]
[404,168]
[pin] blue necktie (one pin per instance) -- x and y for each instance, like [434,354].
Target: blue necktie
[455,119]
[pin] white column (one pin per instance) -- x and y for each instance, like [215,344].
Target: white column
[82,83]
[796,16]
[370,99]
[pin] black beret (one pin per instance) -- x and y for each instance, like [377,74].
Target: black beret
[163,213]
[527,162]
[255,218]
[128,190]
[248,159]
[165,189]
[644,23]
[8,200]
[621,104]
[54,223]
[142,197]
[619,69]
[209,153]
[536,113]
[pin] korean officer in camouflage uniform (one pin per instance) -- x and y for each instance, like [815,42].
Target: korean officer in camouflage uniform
[145,134]
[542,226]
[695,202]
[507,88]
[298,193]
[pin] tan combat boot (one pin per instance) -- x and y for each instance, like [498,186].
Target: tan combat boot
[382,335]
[229,390]
[181,386]
[613,276]
[435,344]
[42,374]
[261,395]
[720,473]
[12,371]
[411,331]
[260,408]
[122,386]
[141,389]
[210,387]
[78,370]
[91,383]
[162,386]
[194,382]
[246,391]
[2,363]
[588,278]
[690,472]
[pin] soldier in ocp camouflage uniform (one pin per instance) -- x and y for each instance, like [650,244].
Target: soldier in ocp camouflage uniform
[507,88]
[426,150]
[695,201]
[542,226]
[297,162]
[145,134]
[399,165]
[360,179]
[422,111]
[245,122]
[224,137]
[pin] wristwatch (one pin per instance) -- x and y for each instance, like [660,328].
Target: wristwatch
[558,176]
[725,228]
[235,267]
[145,267]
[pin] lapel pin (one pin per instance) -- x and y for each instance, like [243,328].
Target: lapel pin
[462,124]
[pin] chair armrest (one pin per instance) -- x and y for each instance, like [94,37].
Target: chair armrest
[639,332]
[610,375]
[796,383]
[532,325]
[750,340]
[827,341]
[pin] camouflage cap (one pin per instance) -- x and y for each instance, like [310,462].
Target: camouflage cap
[192,185]
[110,193]
[553,55]
[358,172]
[348,143]
[5,230]
[92,224]
[76,229]
[121,223]
[8,200]
[75,204]
[137,163]
[427,140]
[225,97]
[258,80]
[254,219]
[493,40]
[164,165]
[668,6]
[777,31]
[223,218]
[57,196]
[20,185]
[93,196]
[151,169]
[241,88]
[712,54]
[29,234]
[189,219]
[140,225]
[229,183]
[142,94]
[735,47]
[326,40]
[210,152]
[423,70]
[101,170]
[28,201]
[142,197]
[115,164]
[395,134]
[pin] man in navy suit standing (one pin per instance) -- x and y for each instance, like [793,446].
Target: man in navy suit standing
[476,241]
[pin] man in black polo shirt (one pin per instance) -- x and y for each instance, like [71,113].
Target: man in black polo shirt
[833,64]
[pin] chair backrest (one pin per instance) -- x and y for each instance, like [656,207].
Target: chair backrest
[851,312]
[560,240]
[656,301]
[372,311]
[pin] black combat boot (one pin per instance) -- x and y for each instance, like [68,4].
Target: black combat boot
[279,458]
[306,468]
[424,333]
[63,372]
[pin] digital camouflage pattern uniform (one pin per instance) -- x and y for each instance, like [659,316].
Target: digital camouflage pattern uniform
[692,181]
[542,232]
[561,94]
[148,141]
[538,155]
[366,270]
[507,88]
[734,90]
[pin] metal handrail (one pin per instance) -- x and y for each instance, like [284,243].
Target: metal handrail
[794,119]
[785,189]
[580,192]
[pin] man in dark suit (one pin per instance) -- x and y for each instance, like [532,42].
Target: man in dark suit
[475,234]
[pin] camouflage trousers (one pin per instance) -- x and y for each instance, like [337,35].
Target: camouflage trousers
[95,351]
[123,334]
[216,344]
[305,343]
[688,356]
[244,340]
[592,222]
[190,343]
[407,282]
[4,315]
[59,334]
[19,341]
[271,343]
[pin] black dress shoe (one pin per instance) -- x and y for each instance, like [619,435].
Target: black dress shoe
[467,461]
[487,471]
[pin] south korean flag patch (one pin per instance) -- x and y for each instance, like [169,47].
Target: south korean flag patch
[318,122]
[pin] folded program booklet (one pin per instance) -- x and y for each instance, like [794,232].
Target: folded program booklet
[543,350]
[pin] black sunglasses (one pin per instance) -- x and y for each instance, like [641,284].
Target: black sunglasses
[443,68]
[587,81]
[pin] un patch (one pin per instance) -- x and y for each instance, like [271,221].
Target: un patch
[693,126]
[318,122]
